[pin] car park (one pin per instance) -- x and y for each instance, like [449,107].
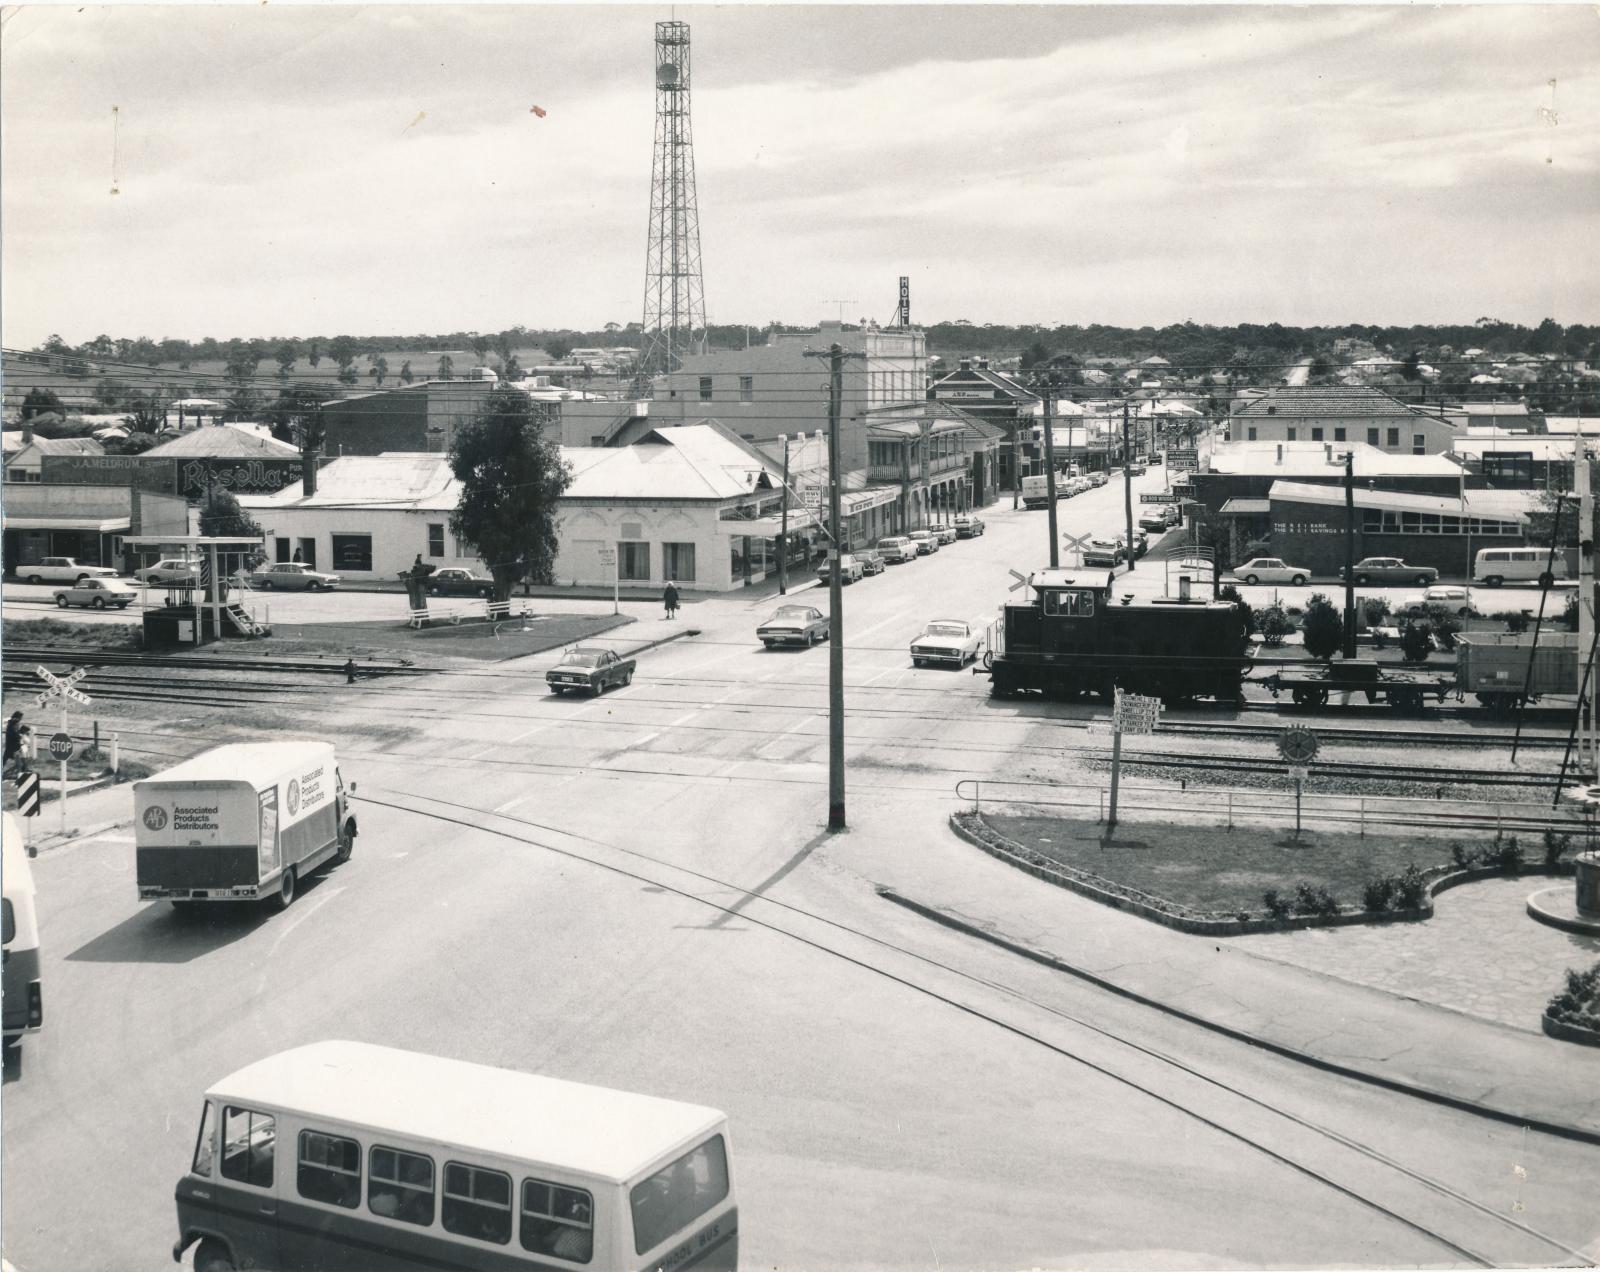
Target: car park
[97,594]
[1393,570]
[292,576]
[944,532]
[459,582]
[946,640]
[587,668]
[925,541]
[174,571]
[871,561]
[1104,552]
[794,625]
[968,527]
[897,549]
[1271,570]
[850,570]
[60,569]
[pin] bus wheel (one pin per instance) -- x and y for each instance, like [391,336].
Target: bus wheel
[213,1256]
[347,844]
[285,897]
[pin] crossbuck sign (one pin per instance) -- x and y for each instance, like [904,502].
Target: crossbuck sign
[61,690]
[1076,543]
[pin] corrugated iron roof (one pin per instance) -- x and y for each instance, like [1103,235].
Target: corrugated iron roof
[223,442]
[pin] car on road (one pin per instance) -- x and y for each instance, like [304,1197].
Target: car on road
[292,576]
[1098,479]
[1392,570]
[850,570]
[897,549]
[968,527]
[173,571]
[946,640]
[97,594]
[588,668]
[63,570]
[794,625]
[458,582]
[944,532]
[1458,600]
[1137,468]
[871,560]
[1271,570]
[1155,521]
[1104,552]
[925,541]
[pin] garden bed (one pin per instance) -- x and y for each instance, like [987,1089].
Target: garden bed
[1573,1015]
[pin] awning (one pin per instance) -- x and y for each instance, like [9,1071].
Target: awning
[97,524]
[1246,507]
[769,527]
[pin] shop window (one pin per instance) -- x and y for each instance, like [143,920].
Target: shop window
[747,388]
[352,551]
[633,561]
[677,562]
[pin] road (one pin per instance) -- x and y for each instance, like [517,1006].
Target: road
[637,891]
[1298,373]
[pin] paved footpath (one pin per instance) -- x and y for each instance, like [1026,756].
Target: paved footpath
[1512,1072]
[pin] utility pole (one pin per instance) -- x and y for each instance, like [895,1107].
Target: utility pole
[1586,617]
[783,534]
[1349,554]
[1050,469]
[1127,482]
[1016,466]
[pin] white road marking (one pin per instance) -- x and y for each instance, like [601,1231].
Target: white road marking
[299,917]
[783,734]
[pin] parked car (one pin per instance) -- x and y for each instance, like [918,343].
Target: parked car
[944,532]
[850,570]
[1137,468]
[98,593]
[946,640]
[1141,543]
[925,541]
[458,582]
[1392,570]
[1495,566]
[172,571]
[586,667]
[871,561]
[1456,599]
[292,576]
[794,625]
[897,549]
[1104,552]
[1271,570]
[1081,485]
[1098,479]
[64,570]
[1154,520]
[968,527]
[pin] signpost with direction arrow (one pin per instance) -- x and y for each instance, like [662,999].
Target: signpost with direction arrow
[61,689]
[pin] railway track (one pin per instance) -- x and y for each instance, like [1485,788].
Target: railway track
[1408,774]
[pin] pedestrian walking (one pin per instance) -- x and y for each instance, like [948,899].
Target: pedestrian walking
[350,671]
[671,599]
[14,727]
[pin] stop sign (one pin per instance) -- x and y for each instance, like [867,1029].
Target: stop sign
[61,746]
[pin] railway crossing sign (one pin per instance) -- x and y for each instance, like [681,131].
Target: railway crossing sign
[1298,746]
[60,685]
[1022,580]
[28,793]
[60,688]
[61,746]
[1076,543]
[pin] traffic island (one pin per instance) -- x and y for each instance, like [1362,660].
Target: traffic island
[1573,1015]
[1212,881]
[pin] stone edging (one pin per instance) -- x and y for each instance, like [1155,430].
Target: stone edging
[971,827]
[1569,1033]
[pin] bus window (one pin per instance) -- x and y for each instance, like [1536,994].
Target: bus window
[678,1194]
[477,1203]
[247,1146]
[400,1186]
[205,1147]
[557,1220]
[330,1169]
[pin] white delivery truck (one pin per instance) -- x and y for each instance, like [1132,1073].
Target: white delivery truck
[241,823]
[1035,491]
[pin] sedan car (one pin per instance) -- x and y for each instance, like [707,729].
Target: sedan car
[871,561]
[175,571]
[98,593]
[64,570]
[457,582]
[1098,479]
[944,533]
[850,570]
[897,549]
[1458,600]
[1394,570]
[925,541]
[794,625]
[1104,552]
[1271,570]
[585,668]
[968,527]
[1154,521]
[946,640]
[292,576]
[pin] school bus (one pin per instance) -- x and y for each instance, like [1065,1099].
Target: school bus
[352,1157]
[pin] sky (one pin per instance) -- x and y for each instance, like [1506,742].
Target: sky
[267,169]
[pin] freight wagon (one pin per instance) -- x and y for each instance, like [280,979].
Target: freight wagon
[1495,667]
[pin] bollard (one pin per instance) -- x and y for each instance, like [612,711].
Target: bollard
[114,749]
[1362,814]
[1230,810]
[1101,791]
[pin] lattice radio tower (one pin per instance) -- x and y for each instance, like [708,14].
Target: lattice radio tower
[674,295]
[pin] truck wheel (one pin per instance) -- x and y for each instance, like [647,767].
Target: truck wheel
[347,843]
[213,1256]
[285,897]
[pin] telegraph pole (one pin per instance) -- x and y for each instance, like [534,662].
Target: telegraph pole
[1349,642]
[1586,616]
[1127,481]
[783,534]
[1050,469]
[1016,466]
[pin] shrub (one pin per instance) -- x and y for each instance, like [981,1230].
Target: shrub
[1376,608]
[1505,854]
[1411,889]
[1278,907]
[1516,621]
[1274,624]
[1377,895]
[1580,998]
[1555,846]
[1323,628]
[1230,593]
[1446,626]
[1462,856]
[1415,642]
[1314,900]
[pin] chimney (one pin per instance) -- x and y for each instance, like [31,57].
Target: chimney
[1280,452]
[27,431]
[308,473]
[983,364]
[966,364]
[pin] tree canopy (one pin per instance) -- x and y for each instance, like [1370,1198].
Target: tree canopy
[512,477]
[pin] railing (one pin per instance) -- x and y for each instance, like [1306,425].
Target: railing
[1227,806]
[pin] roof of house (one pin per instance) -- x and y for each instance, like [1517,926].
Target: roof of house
[223,442]
[1495,408]
[1504,505]
[691,461]
[1305,402]
[58,446]
[1537,445]
[1570,425]
[1290,459]
[397,480]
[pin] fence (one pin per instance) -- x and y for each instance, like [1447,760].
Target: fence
[1230,806]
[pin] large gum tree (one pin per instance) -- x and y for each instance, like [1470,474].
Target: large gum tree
[511,478]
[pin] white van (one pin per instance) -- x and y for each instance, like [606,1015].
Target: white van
[24,993]
[1494,566]
[392,1160]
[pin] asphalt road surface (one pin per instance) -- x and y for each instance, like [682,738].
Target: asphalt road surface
[637,891]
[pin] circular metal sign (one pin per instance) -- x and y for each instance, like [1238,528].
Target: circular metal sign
[1298,746]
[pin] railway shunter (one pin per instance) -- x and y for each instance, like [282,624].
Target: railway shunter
[1077,637]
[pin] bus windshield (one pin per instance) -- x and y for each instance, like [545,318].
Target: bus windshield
[678,1194]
